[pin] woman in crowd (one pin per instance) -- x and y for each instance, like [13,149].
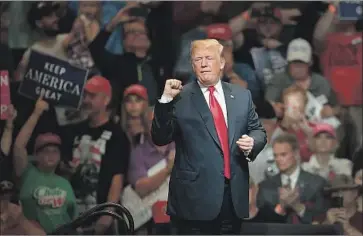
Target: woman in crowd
[45,197]
[323,162]
[134,113]
[344,210]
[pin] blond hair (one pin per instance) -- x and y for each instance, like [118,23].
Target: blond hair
[206,43]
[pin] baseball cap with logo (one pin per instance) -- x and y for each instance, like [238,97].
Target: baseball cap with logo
[98,84]
[299,50]
[46,139]
[219,32]
[136,89]
[324,128]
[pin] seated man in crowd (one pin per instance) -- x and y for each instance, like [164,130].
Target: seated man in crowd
[294,194]
[299,57]
[45,197]
[323,162]
[344,208]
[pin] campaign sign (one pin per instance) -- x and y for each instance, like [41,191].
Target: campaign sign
[4,94]
[60,82]
[350,10]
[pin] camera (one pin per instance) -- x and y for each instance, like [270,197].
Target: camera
[337,202]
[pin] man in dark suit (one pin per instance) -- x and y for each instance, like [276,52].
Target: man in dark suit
[216,132]
[295,195]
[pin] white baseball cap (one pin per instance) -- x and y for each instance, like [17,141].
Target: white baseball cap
[299,50]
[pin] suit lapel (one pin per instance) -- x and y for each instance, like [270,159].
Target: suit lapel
[202,107]
[276,184]
[231,106]
[301,184]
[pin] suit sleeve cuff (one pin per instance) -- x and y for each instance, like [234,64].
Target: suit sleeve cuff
[165,99]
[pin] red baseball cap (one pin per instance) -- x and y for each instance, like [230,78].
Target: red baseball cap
[136,89]
[219,32]
[46,139]
[98,84]
[324,128]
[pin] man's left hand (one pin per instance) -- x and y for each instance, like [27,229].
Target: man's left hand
[103,223]
[245,144]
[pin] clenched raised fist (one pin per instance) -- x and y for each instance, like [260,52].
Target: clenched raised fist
[172,88]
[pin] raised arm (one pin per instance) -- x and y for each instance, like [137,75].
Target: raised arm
[100,55]
[323,27]
[163,126]
[21,141]
[7,137]
[143,183]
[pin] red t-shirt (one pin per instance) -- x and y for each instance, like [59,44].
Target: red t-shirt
[342,66]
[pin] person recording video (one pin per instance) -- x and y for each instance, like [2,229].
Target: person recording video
[344,208]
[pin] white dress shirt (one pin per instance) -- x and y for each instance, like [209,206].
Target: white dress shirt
[339,166]
[293,178]
[218,93]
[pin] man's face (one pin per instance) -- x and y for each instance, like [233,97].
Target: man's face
[93,103]
[324,143]
[207,64]
[134,105]
[135,36]
[285,157]
[90,9]
[48,156]
[269,28]
[299,70]
[49,24]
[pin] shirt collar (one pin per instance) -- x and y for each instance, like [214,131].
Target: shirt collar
[293,176]
[315,164]
[218,87]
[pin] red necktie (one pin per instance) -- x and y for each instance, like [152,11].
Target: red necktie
[221,128]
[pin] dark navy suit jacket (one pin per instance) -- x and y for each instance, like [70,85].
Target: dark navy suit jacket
[197,180]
